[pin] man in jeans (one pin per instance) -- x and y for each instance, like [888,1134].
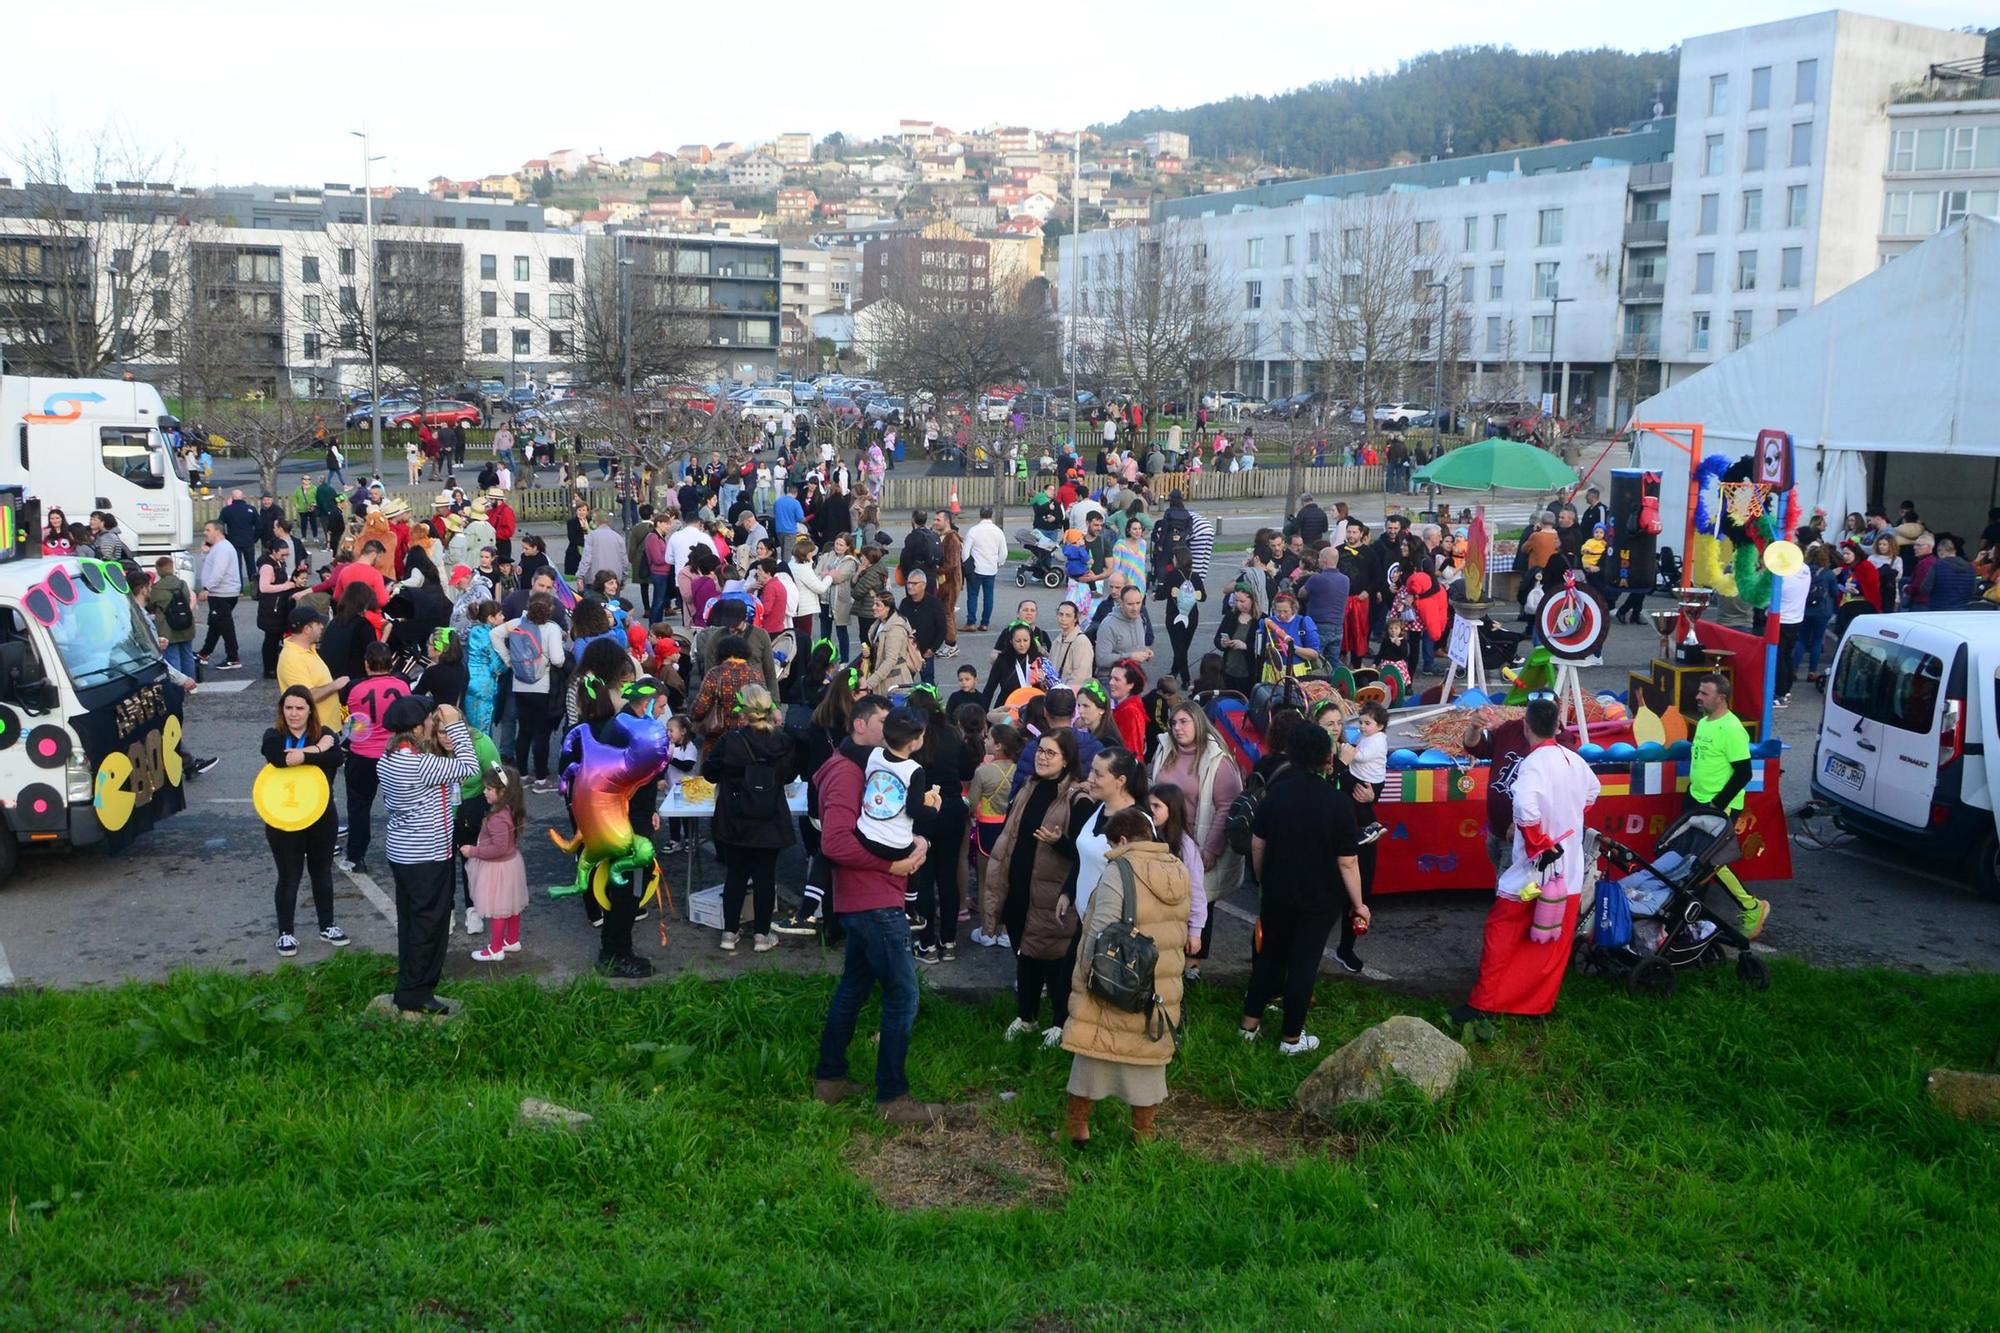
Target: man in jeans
[868,899]
[985,552]
[221,585]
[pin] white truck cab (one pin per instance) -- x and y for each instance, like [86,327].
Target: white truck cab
[1912,716]
[78,445]
[90,721]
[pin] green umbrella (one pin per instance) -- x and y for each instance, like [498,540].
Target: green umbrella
[1499,464]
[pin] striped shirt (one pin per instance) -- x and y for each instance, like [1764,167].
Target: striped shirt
[420,792]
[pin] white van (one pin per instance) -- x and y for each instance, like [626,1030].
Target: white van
[1912,714]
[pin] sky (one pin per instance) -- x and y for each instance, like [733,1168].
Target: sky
[269,92]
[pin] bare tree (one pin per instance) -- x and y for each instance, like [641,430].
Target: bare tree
[1158,312]
[95,270]
[266,432]
[1371,285]
[420,323]
[650,293]
[938,328]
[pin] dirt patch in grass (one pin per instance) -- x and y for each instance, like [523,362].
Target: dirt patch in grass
[174,1295]
[1218,1133]
[958,1165]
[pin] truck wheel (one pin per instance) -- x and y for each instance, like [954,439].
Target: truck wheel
[1986,866]
[10,853]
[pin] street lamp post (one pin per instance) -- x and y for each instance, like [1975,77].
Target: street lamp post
[374,361]
[1075,266]
[1437,368]
[625,312]
[1556,304]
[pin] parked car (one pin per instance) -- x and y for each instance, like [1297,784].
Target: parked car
[689,395]
[888,407]
[766,405]
[1395,416]
[390,409]
[840,409]
[521,397]
[443,412]
[995,407]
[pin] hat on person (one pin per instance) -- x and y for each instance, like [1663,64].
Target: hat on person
[1596,529]
[397,507]
[1175,497]
[495,494]
[409,712]
[460,573]
[301,617]
[478,509]
[443,500]
[1906,533]
[452,522]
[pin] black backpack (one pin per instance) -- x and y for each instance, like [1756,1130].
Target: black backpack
[759,793]
[1243,810]
[1122,963]
[179,613]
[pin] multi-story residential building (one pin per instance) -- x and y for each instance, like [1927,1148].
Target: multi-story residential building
[1778,182]
[793,149]
[1167,143]
[756,172]
[1943,163]
[817,279]
[796,205]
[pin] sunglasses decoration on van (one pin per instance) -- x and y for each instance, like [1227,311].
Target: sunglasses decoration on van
[101,574]
[46,599]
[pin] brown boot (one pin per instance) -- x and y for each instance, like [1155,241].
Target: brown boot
[1142,1123]
[1076,1120]
[833,1091]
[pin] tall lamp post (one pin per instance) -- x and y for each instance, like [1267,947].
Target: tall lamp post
[1075,266]
[625,312]
[1437,367]
[368,162]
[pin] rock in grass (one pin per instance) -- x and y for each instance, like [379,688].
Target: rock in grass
[534,1111]
[1965,1095]
[1402,1047]
[384,1006]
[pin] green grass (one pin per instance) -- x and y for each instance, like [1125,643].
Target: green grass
[1721,1158]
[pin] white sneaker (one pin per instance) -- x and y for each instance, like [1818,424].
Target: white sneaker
[1248,1034]
[1051,1037]
[488,956]
[1020,1027]
[515,947]
[1307,1042]
[729,941]
[474,923]
[981,938]
[764,943]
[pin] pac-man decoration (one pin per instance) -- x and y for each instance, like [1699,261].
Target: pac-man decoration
[1647,727]
[290,798]
[170,750]
[111,793]
[49,746]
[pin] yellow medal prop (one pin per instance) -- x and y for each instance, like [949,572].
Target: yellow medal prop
[291,798]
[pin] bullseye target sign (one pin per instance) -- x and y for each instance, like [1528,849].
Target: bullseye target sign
[1573,623]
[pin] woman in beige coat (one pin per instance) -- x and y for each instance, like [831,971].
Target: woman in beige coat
[1119,1054]
[887,665]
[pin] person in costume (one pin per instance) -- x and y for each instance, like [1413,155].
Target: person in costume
[432,753]
[499,878]
[1533,917]
[298,739]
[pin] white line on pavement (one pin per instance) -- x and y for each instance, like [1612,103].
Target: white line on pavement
[223,686]
[229,800]
[372,893]
[1249,918]
[6,972]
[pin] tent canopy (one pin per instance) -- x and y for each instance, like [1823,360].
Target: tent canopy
[1902,361]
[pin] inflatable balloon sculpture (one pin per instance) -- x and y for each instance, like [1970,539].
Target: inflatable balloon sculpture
[600,784]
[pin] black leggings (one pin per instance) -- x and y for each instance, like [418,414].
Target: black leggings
[1288,963]
[531,734]
[937,878]
[307,853]
[1181,636]
[1034,975]
[754,869]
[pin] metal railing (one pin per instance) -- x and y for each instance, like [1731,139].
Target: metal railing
[1646,233]
[1643,291]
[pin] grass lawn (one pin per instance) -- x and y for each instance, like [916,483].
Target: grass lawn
[1720,1158]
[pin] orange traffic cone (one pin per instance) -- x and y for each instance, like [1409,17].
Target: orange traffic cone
[954,500]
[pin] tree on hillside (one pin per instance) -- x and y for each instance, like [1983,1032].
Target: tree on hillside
[1158,313]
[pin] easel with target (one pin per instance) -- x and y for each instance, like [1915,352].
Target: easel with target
[1573,625]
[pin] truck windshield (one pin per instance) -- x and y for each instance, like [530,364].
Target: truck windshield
[138,455]
[99,634]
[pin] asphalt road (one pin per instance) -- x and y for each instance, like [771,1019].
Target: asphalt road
[198,890]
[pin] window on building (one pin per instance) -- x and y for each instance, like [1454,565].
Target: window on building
[1961,147]
[163,342]
[1285,339]
[1350,242]
[1493,335]
[1250,340]
[1427,237]
[1499,231]
[1288,248]
[562,270]
[1420,333]
[1496,282]
[489,341]
[1746,270]
[1805,89]
[1952,205]
[1801,155]
[1704,272]
[1986,154]
[521,268]
[1752,217]
[1471,241]
[1760,88]
[1542,334]
[159,262]
[562,305]
[309,308]
[1739,330]
[1253,251]
[1753,150]
[346,262]
[1548,281]
[521,304]
[1420,279]
[1253,296]
[1698,332]
[559,342]
[1795,206]
[521,347]
[1791,268]
[1312,292]
[309,268]
[489,268]
[1786,316]
[489,304]
[1285,294]
[1312,247]
[310,345]
[1718,94]
[1711,158]
[1549,227]
[1350,289]
[1710,217]
[163,305]
[1465,280]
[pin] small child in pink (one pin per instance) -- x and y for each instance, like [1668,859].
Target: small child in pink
[494,871]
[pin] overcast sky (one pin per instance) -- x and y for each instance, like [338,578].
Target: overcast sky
[267,92]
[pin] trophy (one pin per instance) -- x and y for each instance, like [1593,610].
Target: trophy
[1664,624]
[1693,602]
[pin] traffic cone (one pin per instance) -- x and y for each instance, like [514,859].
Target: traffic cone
[954,500]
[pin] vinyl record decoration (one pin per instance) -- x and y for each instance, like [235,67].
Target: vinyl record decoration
[40,808]
[1573,624]
[10,727]
[49,746]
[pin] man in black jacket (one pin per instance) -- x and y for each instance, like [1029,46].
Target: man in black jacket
[926,617]
[920,549]
[833,516]
[240,526]
[1310,522]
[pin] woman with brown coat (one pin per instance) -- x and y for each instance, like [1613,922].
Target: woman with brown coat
[1119,1054]
[1025,884]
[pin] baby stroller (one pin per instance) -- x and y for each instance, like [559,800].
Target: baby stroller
[1045,560]
[1498,645]
[1672,927]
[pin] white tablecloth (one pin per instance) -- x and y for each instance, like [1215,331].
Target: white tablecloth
[673,807]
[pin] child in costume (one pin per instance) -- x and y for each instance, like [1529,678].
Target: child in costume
[493,866]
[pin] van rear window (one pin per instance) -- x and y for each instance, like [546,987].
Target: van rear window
[1890,683]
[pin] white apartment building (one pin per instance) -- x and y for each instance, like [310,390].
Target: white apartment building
[1802,154]
[1783,130]
[794,148]
[1167,143]
[817,280]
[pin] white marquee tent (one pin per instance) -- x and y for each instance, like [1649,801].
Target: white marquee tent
[1904,362]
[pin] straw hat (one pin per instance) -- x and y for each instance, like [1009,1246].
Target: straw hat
[494,494]
[478,509]
[397,507]
[1908,532]
[443,500]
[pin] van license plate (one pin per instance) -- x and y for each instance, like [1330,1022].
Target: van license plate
[1844,771]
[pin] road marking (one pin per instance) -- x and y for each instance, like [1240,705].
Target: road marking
[1331,955]
[223,686]
[6,972]
[371,892]
[230,800]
